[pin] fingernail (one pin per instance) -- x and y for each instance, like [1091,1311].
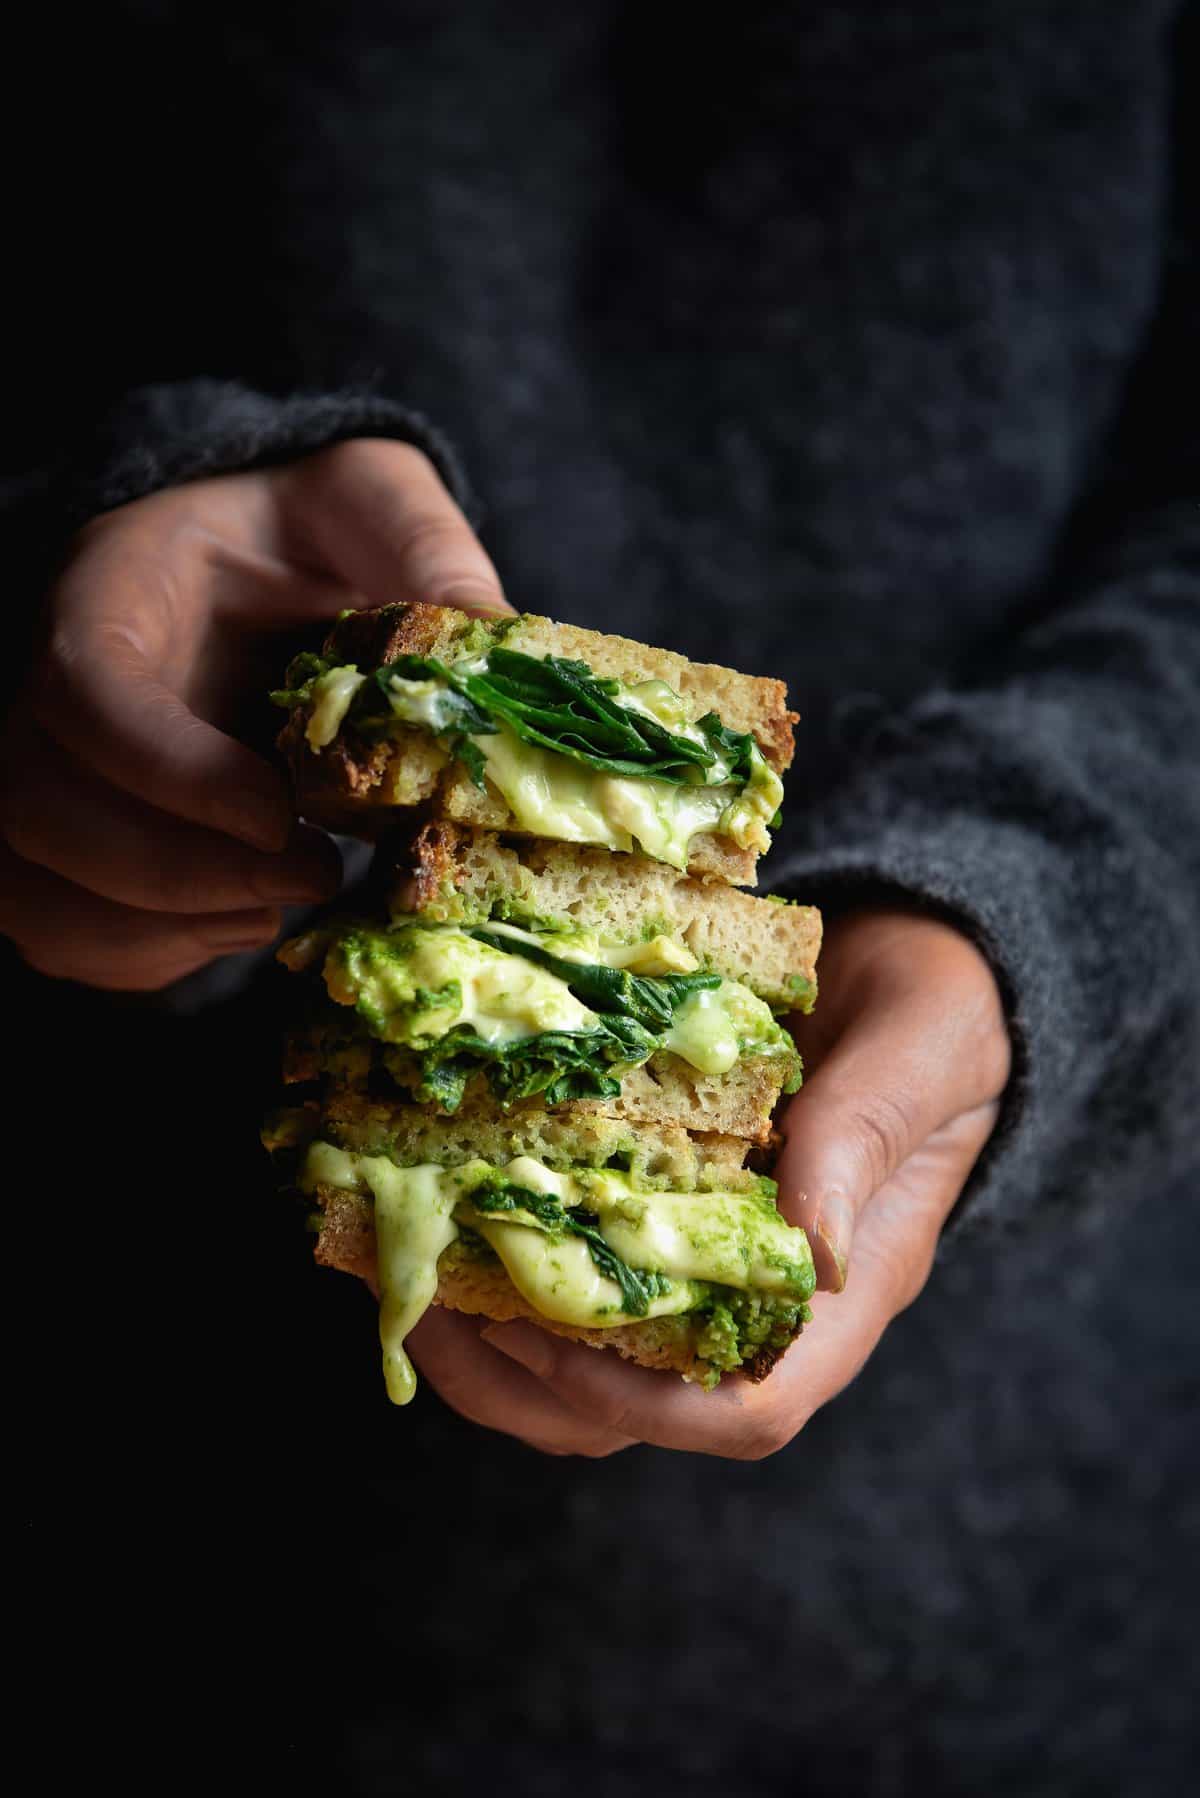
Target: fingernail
[241,930]
[525,1343]
[834,1228]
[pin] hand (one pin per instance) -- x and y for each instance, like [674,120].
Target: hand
[907,1054]
[140,837]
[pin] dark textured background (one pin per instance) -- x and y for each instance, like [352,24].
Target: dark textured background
[853,343]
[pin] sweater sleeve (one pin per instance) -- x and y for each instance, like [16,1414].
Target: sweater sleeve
[1050,807]
[158,436]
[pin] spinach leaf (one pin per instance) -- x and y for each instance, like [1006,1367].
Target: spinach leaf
[734,746]
[557,704]
[649,1000]
[297,686]
[458,717]
[561,705]
[559,1064]
[637,1286]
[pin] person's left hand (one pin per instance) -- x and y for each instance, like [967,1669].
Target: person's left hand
[907,1055]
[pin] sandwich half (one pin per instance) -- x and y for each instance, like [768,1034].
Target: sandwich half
[538,729]
[656,1242]
[582,979]
[538,1073]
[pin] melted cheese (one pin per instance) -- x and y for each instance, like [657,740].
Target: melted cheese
[728,1242]
[702,1033]
[503,998]
[712,1028]
[661,955]
[561,1281]
[747,817]
[552,796]
[331,696]
[413,1226]
[420,702]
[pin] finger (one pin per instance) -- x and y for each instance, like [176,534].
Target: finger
[912,1056]
[100,699]
[640,1403]
[63,818]
[378,515]
[71,934]
[905,1218]
[490,1389]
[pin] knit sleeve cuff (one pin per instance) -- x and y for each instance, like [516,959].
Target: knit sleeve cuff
[923,871]
[159,436]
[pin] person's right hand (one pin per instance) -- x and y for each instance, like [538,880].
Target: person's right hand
[141,837]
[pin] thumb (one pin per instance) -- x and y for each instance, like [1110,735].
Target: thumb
[869,1105]
[922,1041]
[377,514]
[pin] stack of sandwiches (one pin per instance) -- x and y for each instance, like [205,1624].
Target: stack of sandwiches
[537,1079]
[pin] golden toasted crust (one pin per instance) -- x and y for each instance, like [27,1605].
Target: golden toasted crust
[452,874]
[346,1241]
[382,633]
[349,786]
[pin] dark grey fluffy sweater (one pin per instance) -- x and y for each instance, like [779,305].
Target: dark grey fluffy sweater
[856,344]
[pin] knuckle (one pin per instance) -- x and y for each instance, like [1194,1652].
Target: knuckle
[910,1279]
[610,1414]
[346,461]
[598,1450]
[767,1429]
[881,1129]
[356,459]
[182,889]
[762,1442]
[431,535]
[40,958]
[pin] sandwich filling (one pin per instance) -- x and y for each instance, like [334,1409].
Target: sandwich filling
[556,1013]
[574,756]
[583,1247]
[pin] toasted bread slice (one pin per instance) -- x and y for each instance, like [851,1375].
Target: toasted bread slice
[665,1155]
[450,874]
[356,787]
